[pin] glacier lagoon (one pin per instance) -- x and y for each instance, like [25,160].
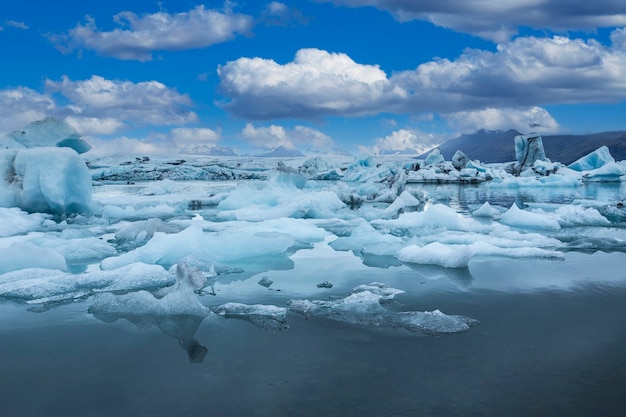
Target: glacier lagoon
[207,297]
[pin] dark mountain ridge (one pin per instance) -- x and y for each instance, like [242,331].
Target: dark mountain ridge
[497,146]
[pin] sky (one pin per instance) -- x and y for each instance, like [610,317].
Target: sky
[320,76]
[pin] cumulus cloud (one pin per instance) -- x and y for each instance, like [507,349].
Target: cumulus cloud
[521,74]
[20,106]
[137,37]
[119,102]
[315,84]
[185,136]
[175,140]
[404,140]
[499,20]
[533,119]
[274,136]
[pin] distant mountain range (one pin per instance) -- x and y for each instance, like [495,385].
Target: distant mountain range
[497,146]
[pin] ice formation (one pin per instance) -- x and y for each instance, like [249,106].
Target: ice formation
[267,317]
[528,150]
[366,306]
[46,133]
[50,180]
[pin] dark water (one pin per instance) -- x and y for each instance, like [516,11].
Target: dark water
[550,343]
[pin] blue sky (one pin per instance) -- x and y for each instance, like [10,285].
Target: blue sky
[359,75]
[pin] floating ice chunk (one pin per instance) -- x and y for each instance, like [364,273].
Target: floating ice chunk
[528,220]
[434,157]
[265,282]
[528,149]
[593,160]
[609,172]
[54,180]
[14,221]
[434,322]
[267,317]
[364,238]
[573,215]
[436,216]
[449,256]
[139,232]
[486,210]
[162,187]
[49,132]
[180,302]
[213,248]
[485,248]
[37,285]
[459,160]
[363,308]
[76,250]
[130,212]
[22,255]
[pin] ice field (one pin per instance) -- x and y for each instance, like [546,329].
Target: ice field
[311,286]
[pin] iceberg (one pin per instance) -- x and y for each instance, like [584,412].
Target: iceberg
[267,317]
[46,180]
[448,256]
[528,149]
[365,307]
[46,133]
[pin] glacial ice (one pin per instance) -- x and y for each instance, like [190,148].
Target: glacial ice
[36,285]
[49,180]
[48,132]
[267,317]
[449,256]
[366,306]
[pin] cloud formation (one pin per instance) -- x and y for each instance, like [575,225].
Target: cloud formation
[118,103]
[274,136]
[316,83]
[20,106]
[137,37]
[403,140]
[522,74]
[533,119]
[499,20]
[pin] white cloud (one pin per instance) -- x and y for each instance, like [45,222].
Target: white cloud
[184,136]
[20,106]
[137,104]
[315,84]
[534,119]
[156,143]
[404,140]
[618,39]
[524,73]
[14,24]
[94,125]
[124,145]
[499,20]
[139,36]
[274,136]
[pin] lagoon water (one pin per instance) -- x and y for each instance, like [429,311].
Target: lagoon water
[550,340]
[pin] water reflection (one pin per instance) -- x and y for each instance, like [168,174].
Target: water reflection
[182,327]
[461,277]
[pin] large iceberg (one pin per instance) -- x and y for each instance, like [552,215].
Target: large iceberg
[48,132]
[44,179]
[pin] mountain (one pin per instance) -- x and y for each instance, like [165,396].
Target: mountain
[497,146]
[282,152]
[208,150]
